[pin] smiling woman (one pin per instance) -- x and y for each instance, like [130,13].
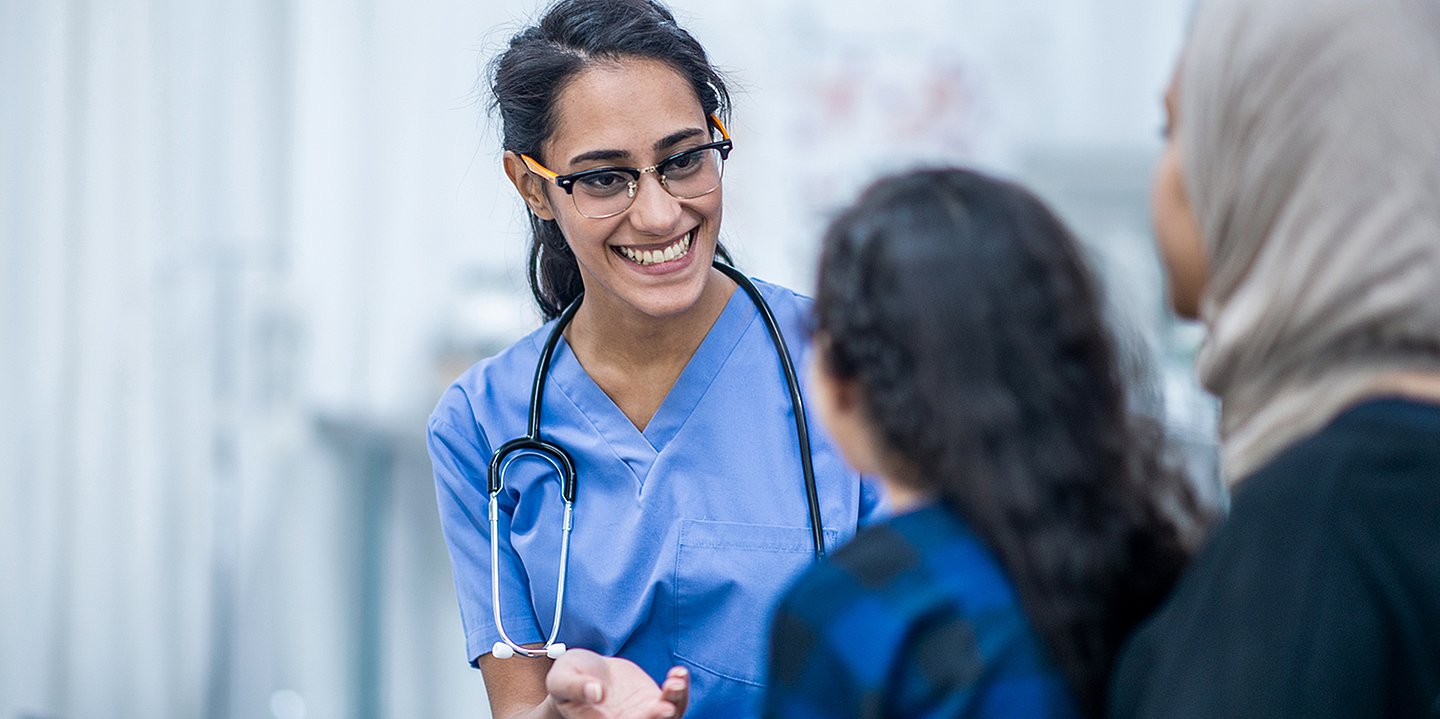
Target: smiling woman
[618,112]
[666,387]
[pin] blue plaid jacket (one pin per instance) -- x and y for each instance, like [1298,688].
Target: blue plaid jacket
[912,618]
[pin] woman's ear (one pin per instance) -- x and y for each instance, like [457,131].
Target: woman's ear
[530,187]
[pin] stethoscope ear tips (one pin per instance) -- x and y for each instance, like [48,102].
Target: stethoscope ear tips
[501,650]
[555,650]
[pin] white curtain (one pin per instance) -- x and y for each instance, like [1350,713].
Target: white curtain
[222,228]
[245,243]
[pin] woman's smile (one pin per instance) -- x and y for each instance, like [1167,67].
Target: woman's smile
[666,257]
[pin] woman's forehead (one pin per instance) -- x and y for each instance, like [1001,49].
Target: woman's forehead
[625,105]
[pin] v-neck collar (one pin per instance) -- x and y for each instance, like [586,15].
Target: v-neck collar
[640,449]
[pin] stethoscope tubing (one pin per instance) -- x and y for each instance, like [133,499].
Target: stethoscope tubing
[566,526]
[792,382]
[532,444]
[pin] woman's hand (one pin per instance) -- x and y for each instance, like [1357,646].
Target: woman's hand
[676,689]
[585,685]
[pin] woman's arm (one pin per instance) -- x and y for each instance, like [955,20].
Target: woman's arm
[516,688]
[581,685]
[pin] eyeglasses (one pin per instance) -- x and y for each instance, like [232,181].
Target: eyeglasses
[603,192]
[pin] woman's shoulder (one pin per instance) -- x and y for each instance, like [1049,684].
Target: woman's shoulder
[503,378]
[792,311]
[518,358]
[781,297]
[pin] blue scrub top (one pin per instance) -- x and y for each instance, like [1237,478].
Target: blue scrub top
[685,535]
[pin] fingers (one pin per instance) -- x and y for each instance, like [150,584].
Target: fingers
[675,690]
[577,676]
[584,684]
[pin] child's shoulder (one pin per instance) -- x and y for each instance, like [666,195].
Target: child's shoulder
[918,562]
[886,567]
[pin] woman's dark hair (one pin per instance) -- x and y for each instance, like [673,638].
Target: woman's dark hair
[965,312]
[529,75]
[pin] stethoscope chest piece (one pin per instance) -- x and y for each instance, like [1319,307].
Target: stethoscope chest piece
[501,650]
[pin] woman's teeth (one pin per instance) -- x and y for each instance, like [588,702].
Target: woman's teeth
[674,251]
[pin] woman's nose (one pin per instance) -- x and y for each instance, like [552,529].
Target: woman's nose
[655,211]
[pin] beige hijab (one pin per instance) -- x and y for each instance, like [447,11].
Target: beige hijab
[1310,140]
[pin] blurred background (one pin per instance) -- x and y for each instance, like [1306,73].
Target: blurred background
[244,245]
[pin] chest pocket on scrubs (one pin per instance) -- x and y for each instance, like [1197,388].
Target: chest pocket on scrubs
[728,579]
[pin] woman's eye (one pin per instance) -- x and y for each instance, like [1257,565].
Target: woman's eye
[603,182]
[685,163]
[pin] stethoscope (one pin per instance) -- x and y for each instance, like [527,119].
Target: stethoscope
[533,445]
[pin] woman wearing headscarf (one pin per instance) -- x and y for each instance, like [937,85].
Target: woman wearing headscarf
[1298,210]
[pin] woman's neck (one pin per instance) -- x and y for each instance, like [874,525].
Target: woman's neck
[634,358]
[616,335]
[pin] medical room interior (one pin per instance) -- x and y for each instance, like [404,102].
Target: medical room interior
[246,245]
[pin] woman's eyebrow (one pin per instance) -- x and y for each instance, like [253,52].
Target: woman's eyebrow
[599,155]
[675,137]
[660,144]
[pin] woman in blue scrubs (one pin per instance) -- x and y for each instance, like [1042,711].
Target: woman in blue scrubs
[691,515]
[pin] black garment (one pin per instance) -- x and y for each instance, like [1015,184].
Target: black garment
[1320,594]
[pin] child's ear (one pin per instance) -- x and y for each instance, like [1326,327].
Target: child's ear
[847,395]
[530,186]
[839,395]
[840,405]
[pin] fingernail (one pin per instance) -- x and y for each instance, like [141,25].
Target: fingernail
[669,711]
[594,693]
[682,672]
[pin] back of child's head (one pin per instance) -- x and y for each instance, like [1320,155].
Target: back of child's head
[964,309]
[966,314]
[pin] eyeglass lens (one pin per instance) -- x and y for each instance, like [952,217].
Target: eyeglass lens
[687,175]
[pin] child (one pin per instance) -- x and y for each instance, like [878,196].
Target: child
[961,355]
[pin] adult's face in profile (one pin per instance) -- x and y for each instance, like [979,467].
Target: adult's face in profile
[1176,231]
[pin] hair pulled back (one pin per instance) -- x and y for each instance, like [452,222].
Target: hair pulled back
[964,310]
[528,77]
